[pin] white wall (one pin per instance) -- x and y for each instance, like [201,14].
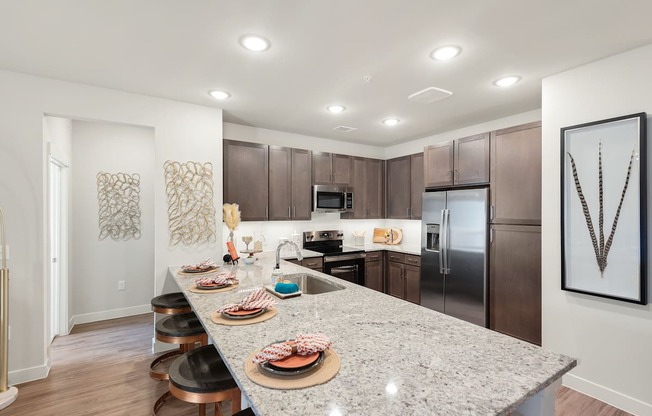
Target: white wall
[182,132]
[611,339]
[99,264]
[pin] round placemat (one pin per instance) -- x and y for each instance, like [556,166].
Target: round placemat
[194,289]
[328,369]
[211,271]
[217,318]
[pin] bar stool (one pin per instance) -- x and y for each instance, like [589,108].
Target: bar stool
[246,412]
[200,376]
[170,304]
[183,329]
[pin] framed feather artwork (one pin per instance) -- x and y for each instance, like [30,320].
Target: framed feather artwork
[604,210]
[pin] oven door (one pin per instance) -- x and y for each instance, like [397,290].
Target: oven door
[347,268]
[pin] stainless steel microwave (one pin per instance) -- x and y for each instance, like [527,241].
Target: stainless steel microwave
[331,199]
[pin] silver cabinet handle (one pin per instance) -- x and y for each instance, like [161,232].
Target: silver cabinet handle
[408,212]
[491,234]
[294,212]
[289,212]
[266,212]
[492,212]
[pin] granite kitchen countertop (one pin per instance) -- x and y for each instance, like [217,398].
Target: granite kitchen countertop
[397,358]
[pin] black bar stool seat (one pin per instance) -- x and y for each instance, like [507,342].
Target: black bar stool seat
[200,376]
[170,304]
[184,329]
[246,412]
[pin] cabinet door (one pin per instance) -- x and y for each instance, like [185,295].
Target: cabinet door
[280,183]
[373,188]
[301,192]
[245,178]
[412,291]
[321,168]
[373,275]
[358,187]
[472,160]
[438,164]
[516,175]
[416,185]
[395,283]
[341,170]
[515,281]
[398,188]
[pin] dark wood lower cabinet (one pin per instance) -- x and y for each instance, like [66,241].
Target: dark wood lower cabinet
[515,281]
[373,271]
[403,274]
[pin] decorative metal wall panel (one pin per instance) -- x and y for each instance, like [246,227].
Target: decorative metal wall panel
[118,196]
[191,211]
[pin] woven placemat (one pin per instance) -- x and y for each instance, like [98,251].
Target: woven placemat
[182,273]
[217,318]
[328,369]
[194,289]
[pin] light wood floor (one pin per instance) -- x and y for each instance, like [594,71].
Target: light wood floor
[102,369]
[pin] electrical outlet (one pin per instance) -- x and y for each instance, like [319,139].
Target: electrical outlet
[122,285]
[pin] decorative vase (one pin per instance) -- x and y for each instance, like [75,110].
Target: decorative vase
[231,236]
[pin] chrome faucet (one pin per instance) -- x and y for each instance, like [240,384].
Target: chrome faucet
[278,251]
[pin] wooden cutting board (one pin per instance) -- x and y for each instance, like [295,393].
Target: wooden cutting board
[380,235]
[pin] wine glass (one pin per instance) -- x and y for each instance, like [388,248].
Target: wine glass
[247,239]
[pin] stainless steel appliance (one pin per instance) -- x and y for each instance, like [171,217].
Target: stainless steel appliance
[454,253]
[331,199]
[346,263]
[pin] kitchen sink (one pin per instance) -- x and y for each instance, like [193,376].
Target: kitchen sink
[312,285]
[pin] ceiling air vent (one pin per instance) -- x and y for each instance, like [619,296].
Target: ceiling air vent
[344,129]
[430,95]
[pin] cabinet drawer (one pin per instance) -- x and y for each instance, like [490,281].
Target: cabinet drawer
[313,263]
[396,257]
[413,260]
[373,256]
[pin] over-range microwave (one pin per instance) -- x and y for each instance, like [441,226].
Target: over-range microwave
[331,199]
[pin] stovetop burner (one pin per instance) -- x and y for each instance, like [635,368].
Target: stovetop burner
[327,242]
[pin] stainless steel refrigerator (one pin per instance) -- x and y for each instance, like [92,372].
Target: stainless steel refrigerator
[454,253]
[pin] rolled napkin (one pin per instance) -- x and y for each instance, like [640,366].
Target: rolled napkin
[259,299]
[222,278]
[204,265]
[304,344]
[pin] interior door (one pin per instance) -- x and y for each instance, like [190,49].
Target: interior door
[467,255]
[432,278]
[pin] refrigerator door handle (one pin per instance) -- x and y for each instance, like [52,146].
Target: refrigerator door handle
[442,243]
[446,237]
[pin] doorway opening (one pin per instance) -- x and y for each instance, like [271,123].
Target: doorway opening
[58,250]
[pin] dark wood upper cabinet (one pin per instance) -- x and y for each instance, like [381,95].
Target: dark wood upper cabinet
[515,282]
[417,186]
[438,164]
[331,169]
[516,175]
[398,188]
[405,187]
[458,162]
[367,184]
[246,178]
[280,183]
[471,160]
[301,181]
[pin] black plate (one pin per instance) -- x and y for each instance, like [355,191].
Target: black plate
[253,315]
[212,287]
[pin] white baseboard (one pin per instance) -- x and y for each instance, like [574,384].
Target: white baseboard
[28,374]
[611,397]
[111,314]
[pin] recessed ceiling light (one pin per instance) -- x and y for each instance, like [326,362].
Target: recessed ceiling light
[445,52]
[507,81]
[254,43]
[391,121]
[336,108]
[219,95]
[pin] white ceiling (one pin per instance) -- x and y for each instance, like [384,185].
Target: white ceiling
[321,50]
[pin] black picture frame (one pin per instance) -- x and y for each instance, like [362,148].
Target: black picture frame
[604,208]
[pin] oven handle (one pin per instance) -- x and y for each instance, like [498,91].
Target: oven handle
[331,259]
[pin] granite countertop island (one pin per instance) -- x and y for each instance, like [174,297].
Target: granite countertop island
[397,358]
